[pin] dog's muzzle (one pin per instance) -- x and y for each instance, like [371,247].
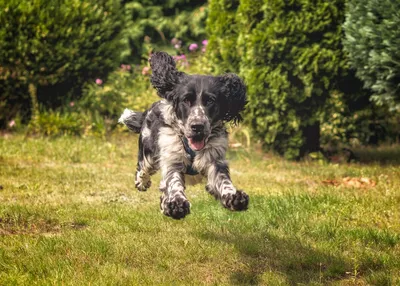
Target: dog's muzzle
[197,129]
[196,143]
[197,135]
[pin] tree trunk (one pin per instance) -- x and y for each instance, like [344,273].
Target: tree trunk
[35,105]
[312,134]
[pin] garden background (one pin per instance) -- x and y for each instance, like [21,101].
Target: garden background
[318,151]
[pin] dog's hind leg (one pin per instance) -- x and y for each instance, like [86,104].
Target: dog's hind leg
[142,177]
[145,168]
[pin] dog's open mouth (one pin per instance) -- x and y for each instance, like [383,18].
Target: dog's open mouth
[197,143]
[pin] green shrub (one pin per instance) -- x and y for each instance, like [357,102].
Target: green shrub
[56,123]
[368,125]
[290,55]
[158,22]
[50,43]
[96,113]
[122,89]
[372,41]
[223,32]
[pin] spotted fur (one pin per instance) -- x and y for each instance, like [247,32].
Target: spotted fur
[190,116]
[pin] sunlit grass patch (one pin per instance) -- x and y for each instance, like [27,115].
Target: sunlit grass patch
[69,215]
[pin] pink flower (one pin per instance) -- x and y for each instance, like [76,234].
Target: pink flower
[11,123]
[203,49]
[126,67]
[193,47]
[99,81]
[205,42]
[72,104]
[176,43]
[145,70]
[181,60]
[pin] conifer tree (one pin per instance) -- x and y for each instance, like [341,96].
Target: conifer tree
[372,41]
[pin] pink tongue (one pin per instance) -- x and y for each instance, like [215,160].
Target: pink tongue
[196,145]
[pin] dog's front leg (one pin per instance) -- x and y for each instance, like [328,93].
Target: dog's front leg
[220,185]
[173,199]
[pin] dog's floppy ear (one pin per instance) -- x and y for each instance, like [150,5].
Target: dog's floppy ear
[164,76]
[234,89]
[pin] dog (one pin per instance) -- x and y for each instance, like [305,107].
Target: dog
[184,133]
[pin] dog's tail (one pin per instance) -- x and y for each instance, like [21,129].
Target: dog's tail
[131,119]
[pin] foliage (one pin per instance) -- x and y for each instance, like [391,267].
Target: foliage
[56,46]
[159,21]
[123,89]
[223,31]
[13,98]
[367,125]
[97,112]
[56,123]
[291,58]
[372,41]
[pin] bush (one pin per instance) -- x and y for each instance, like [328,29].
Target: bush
[368,125]
[56,123]
[96,113]
[125,88]
[223,32]
[159,21]
[372,41]
[56,44]
[291,58]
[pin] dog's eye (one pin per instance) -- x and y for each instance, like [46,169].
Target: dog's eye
[210,101]
[187,101]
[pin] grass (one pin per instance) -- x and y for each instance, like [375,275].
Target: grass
[69,215]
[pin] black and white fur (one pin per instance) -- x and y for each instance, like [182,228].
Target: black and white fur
[190,115]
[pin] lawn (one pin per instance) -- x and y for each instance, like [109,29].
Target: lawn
[69,215]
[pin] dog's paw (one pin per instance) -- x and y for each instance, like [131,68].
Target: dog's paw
[235,202]
[142,181]
[142,186]
[176,207]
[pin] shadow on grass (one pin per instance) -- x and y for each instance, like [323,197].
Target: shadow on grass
[273,242]
[281,260]
[383,155]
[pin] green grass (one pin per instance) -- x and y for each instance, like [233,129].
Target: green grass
[69,215]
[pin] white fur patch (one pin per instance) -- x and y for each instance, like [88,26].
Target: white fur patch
[125,115]
[170,118]
[171,149]
[146,132]
[214,151]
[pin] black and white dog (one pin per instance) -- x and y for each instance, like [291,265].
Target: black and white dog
[184,133]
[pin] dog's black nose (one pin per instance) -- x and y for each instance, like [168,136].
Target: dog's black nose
[197,128]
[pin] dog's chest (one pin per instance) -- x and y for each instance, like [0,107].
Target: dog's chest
[190,155]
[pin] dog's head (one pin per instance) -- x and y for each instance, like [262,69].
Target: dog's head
[199,101]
